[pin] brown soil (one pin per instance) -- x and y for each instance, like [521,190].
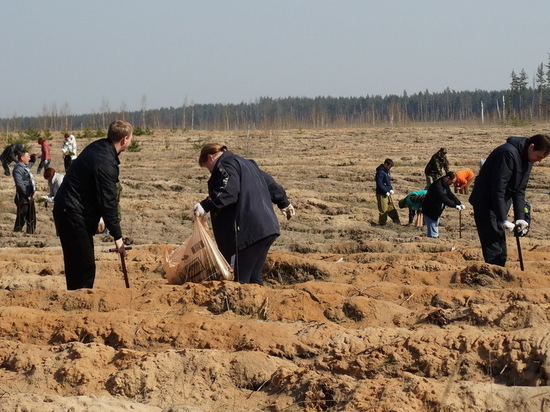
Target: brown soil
[353,316]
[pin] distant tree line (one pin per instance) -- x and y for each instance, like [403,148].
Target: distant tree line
[521,103]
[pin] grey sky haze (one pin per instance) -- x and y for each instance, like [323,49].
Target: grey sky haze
[84,55]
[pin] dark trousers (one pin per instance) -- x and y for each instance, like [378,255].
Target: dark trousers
[6,167]
[25,215]
[67,162]
[44,164]
[78,250]
[491,236]
[250,261]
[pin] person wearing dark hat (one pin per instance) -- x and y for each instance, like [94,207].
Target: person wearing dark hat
[9,155]
[436,167]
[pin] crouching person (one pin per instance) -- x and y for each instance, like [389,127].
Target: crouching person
[438,196]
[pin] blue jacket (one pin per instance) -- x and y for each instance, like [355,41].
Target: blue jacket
[89,189]
[383,180]
[240,202]
[503,179]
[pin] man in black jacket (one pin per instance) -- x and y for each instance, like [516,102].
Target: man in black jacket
[438,196]
[89,192]
[501,183]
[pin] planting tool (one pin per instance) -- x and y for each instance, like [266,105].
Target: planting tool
[123,264]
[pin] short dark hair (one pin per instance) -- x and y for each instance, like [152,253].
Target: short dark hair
[540,142]
[451,175]
[389,162]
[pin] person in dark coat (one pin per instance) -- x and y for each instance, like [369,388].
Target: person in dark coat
[438,196]
[9,155]
[25,186]
[501,183]
[240,203]
[384,191]
[87,194]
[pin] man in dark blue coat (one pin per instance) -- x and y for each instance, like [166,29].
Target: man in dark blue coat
[384,191]
[88,193]
[501,183]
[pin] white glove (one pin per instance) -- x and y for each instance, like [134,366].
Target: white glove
[462,207]
[388,194]
[288,211]
[198,210]
[507,225]
[458,207]
[391,192]
[522,227]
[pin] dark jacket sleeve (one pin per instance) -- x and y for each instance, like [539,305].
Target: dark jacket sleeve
[224,187]
[106,181]
[383,180]
[278,194]
[500,176]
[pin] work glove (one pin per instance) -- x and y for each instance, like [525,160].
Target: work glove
[288,211]
[458,207]
[521,228]
[462,207]
[198,210]
[507,225]
[391,192]
[388,194]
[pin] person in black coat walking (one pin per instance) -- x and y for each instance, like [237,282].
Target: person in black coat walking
[438,196]
[87,194]
[501,183]
[240,202]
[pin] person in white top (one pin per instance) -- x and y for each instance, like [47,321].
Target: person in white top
[68,149]
[54,181]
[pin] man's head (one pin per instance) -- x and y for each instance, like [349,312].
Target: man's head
[538,147]
[120,133]
[442,151]
[66,136]
[24,156]
[450,178]
[388,163]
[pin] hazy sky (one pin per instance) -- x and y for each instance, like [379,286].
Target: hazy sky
[84,55]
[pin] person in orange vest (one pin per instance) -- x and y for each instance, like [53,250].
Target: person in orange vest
[464,179]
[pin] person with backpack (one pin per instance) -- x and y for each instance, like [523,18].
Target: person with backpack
[501,184]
